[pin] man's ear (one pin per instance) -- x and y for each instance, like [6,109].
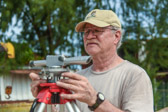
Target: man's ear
[117,37]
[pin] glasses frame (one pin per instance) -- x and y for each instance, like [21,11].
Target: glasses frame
[96,32]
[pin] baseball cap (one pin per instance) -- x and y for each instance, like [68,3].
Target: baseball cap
[99,18]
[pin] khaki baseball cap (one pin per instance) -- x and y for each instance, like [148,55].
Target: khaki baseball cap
[99,18]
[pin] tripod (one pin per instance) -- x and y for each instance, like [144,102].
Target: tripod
[50,92]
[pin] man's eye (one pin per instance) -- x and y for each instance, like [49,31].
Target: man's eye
[96,31]
[87,31]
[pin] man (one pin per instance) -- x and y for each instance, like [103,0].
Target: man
[110,84]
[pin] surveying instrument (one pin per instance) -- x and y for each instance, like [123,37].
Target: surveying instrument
[52,68]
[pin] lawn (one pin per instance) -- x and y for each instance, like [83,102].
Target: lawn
[16,107]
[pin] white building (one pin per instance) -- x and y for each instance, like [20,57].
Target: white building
[16,86]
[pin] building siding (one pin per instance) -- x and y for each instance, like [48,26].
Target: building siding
[20,87]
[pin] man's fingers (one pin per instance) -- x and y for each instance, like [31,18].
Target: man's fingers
[70,81]
[70,96]
[34,91]
[34,76]
[73,76]
[35,83]
[68,86]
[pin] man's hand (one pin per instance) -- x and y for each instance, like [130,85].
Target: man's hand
[83,91]
[35,83]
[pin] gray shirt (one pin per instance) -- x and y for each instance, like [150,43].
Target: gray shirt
[126,86]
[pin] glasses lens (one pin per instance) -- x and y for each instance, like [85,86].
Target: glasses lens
[95,32]
[86,32]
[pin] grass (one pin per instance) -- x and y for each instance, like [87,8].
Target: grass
[17,107]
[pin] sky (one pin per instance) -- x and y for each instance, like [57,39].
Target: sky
[16,29]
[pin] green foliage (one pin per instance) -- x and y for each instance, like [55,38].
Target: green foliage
[23,54]
[157,53]
[23,58]
[5,63]
[44,23]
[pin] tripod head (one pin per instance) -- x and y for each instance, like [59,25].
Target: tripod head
[60,60]
[52,68]
[54,65]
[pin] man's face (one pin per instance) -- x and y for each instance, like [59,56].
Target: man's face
[98,40]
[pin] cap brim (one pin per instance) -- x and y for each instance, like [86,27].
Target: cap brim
[80,26]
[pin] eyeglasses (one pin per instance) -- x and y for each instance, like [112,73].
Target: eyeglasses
[95,32]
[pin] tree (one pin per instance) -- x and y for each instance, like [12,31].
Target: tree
[48,25]
[45,23]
